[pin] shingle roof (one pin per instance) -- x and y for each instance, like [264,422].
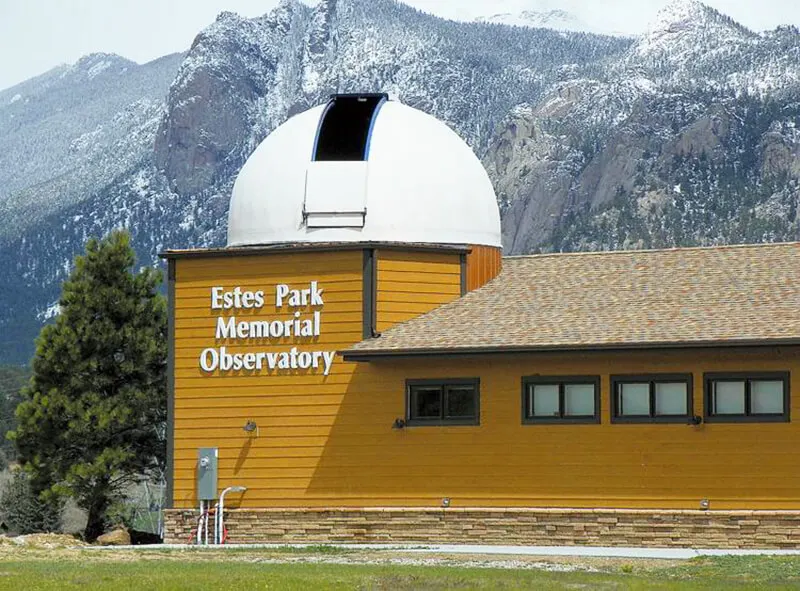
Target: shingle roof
[691,296]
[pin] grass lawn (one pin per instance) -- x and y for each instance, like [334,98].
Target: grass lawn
[323,569]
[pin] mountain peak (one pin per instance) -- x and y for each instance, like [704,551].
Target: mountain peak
[685,31]
[91,59]
[681,15]
[94,64]
[682,11]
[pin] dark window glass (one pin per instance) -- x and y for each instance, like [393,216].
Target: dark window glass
[460,402]
[426,403]
[434,402]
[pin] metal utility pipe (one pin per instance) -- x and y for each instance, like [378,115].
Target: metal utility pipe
[205,522]
[220,520]
[216,522]
[200,525]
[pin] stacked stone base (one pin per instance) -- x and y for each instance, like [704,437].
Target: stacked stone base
[530,527]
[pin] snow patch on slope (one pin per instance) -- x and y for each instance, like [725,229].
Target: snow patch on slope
[51,311]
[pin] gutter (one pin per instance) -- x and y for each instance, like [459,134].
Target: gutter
[377,354]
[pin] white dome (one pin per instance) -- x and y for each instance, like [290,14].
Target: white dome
[418,182]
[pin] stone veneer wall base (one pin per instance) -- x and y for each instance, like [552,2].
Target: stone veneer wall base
[528,527]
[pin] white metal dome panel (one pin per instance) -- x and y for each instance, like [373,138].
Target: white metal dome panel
[336,195]
[424,185]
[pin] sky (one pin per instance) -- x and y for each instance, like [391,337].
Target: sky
[36,35]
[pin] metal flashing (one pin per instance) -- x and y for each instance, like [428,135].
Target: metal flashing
[365,355]
[279,248]
[369,293]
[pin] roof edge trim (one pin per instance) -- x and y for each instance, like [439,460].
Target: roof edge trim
[356,355]
[309,247]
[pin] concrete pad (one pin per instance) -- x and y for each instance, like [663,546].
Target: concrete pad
[576,551]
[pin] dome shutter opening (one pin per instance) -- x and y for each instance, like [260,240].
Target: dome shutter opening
[345,127]
[336,179]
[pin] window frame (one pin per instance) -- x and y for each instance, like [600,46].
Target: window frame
[443,421]
[561,382]
[652,379]
[747,377]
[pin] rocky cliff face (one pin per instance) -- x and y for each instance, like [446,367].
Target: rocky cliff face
[687,135]
[676,143]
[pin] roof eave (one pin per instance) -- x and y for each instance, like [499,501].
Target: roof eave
[372,355]
[310,247]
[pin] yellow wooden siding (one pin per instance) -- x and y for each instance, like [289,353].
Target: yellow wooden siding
[412,283]
[328,441]
[484,263]
[503,462]
[210,410]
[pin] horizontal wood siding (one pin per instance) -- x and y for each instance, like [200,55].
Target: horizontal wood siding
[412,283]
[483,264]
[289,408]
[328,441]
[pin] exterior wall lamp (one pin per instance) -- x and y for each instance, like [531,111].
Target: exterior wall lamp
[399,424]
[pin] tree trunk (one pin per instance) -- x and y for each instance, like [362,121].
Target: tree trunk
[95,525]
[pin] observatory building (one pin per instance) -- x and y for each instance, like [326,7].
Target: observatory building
[359,364]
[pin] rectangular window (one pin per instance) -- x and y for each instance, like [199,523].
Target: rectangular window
[443,402]
[747,397]
[662,398]
[559,399]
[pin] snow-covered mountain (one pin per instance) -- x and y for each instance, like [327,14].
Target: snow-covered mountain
[74,129]
[686,135]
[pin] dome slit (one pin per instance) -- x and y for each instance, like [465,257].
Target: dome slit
[346,126]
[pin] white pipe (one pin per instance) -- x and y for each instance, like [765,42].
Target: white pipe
[200,525]
[221,509]
[216,523]
[205,522]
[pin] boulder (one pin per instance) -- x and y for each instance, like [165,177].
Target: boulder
[117,537]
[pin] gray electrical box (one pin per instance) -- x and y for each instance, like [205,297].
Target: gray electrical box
[207,473]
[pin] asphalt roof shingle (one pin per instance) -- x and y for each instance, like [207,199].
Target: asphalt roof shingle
[726,295]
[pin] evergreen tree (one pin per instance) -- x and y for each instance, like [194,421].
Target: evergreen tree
[91,421]
[12,381]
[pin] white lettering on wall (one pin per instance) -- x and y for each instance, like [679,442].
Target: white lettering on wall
[302,325]
[237,298]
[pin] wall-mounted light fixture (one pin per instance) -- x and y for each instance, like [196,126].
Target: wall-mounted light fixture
[399,424]
[696,420]
[705,504]
[445,502]
[250,427]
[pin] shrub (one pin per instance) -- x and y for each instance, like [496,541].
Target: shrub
[23,511]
